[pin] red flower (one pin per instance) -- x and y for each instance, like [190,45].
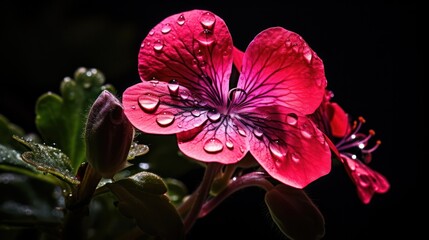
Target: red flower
[352,148]
[186,62]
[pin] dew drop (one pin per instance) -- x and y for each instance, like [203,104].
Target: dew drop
[242,132]
[165,118]
[277,149]
[364,180]
[237,95]
[151,33]
[142,45]
[258,132]
[307,55]
[166,28]
[158,46]
[295,157]
[206,37]
[213,115]
[184,95]
[196,113]
[292,119]
[288,42]
[173,86]
[207,20]
[229,144]
[181,20]
[213,145]
[306,131]
[133,107]
[154,81]
[148,102]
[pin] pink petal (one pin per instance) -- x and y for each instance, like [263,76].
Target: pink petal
[152,108]
[193,48]
[338,120]
[291,148]
[367,181]
[279,67]
[214,142]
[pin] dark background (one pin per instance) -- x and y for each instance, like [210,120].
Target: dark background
[369,50]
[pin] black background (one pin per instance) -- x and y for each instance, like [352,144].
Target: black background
[370,55]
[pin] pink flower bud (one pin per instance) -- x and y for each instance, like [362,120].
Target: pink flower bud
[108,135]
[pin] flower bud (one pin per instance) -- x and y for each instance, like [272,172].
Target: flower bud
[108,135]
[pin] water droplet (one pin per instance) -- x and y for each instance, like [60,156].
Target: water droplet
[213,145]
[196,113]
[142,45]
[213,115]
[229,144]
[154,81]
[179,125]
[306,131]
[166,28]
[181,20]
[133,107]
[242,149]
[173,86]
[206,37]
[158,45]
[242,132]
[292,119]
[237,95]
[295,157]
[258,132]
[307,54]
[278,149]
[207,20]
[165,118]
[184,95]
[364,180]
[148,102]
[288,42]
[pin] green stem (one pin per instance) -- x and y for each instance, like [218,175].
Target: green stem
[78,205]
[201,194]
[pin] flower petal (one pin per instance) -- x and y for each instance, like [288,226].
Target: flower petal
[338,120]
[153,108]
[192,48]
[214,142]
[279,67]
[238,58]
[289,147]
[367,181]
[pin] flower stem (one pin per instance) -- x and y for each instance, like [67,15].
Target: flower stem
[200,195]
[257,179]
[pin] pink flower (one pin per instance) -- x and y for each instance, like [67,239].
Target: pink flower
[186,62]
[352,148]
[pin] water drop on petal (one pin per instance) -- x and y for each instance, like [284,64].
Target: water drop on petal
[306,131]
[166,28]
[364,180]
[206,37]
[207,20]
[181,20]
[295,157]
[237,95]
[229,144]
[173,86]
[148,102]
[242,132]
[158,46]
[277,149]
[213,115]
[213,145]
[292,119]
[184,95]
[196,113]
[165,118]
[258,132]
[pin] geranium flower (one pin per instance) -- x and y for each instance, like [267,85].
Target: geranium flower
[352,148]
[185,64]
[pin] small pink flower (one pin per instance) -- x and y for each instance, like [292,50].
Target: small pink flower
[186,63]
[351,148]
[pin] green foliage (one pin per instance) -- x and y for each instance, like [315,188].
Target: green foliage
[142,196]
[294,213]
[61,119]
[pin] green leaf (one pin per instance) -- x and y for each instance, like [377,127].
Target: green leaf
[294,213]
[48,159]
[142,196]
[61,119]
[177,190]
[7,130]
